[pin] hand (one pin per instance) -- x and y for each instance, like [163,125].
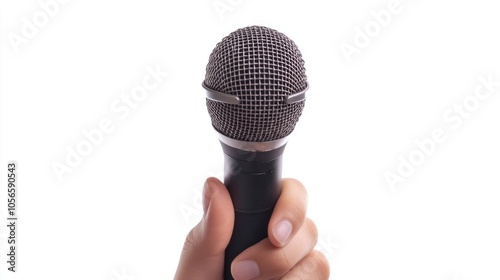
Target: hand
[288,252]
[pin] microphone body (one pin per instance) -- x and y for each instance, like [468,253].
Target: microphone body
[253,180]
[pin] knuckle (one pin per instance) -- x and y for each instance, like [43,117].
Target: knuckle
[299,212]
[322,265]
[313,267]
[308,268]
[297,203]
[312,230]
[300,187]
[281,263]
[190,242]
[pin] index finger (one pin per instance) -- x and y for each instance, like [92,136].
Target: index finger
[289,212]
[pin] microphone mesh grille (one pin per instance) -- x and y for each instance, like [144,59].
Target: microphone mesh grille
[261,66]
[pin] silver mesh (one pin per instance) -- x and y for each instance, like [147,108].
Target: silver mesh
[261,66]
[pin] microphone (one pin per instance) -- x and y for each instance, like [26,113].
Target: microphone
[255,86]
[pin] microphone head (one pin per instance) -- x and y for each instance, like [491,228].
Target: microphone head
[256,85]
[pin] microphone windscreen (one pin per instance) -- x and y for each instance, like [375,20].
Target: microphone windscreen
[262,67]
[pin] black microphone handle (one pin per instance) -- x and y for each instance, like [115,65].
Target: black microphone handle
[253,180]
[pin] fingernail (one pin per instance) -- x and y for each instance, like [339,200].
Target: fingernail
[282,231]
[245,270]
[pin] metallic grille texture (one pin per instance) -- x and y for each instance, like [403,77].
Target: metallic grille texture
[261,66]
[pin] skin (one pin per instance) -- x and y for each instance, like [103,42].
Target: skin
[289,258]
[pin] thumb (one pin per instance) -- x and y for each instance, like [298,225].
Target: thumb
[203,253]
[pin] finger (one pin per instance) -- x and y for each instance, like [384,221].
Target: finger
[203,253]
[266,261]
[314,266]
[218,220]
[289,212]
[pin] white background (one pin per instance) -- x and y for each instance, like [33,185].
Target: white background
[124,210]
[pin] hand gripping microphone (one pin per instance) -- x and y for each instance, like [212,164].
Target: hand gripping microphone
[255,87]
